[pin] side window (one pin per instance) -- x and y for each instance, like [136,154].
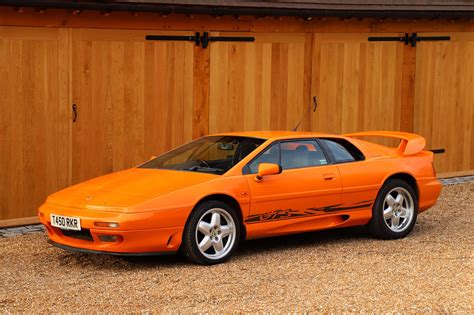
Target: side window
[290,155]
[342,151]
[270,155]
[302,153]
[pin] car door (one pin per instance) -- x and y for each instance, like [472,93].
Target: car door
[290,201]
[360,178]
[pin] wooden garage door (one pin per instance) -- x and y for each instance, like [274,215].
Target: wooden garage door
[33,118]
[261,85]
[359,83]
[134,98]
[444,99]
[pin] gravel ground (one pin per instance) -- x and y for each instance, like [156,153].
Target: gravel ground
[330,271]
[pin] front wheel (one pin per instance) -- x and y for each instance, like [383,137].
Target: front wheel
[395,210]
[211,234]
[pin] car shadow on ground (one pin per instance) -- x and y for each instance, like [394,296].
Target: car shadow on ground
[261,246]
[294,241]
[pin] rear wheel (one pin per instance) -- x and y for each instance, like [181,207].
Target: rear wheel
[395,210]
[211,234]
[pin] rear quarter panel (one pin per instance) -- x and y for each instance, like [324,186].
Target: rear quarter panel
[383,162]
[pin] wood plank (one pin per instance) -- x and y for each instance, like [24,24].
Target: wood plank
[455,174]
[200,91]
[253,108]
[408,88]
[19,222]
[308,65]
[5,128]
[17,94]
[235,85]
[192,127]
[132,126]
[28,33]
[63,108]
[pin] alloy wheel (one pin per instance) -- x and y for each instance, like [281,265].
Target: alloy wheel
[215,233]
[398,209]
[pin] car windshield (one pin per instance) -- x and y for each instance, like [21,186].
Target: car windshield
[214,154]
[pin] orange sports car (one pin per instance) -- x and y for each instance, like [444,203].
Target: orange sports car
[204,197]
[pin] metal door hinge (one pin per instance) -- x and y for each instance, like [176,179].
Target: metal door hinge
[201,40]
[408,39]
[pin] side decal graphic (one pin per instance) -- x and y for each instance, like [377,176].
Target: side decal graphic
[285,214]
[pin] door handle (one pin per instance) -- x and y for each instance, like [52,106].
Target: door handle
[74,112]
[328,176]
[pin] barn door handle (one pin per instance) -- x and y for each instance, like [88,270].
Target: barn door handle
[74,112]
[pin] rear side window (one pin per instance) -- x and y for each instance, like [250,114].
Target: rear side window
[298,154]
[342,151]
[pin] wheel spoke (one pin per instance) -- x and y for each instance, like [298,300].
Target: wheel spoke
[390,201]
[226,230]
[388,213]
[404,212]
[399,199]
[216,219]
[204,228]
[218,246]
[205,243]
[395,221]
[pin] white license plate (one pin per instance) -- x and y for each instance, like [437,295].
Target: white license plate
[66,223]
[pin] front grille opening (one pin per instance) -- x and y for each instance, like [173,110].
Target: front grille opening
[83,234]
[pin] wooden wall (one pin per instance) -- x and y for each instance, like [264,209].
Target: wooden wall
[137,98]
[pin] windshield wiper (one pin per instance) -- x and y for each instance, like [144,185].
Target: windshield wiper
[205,169]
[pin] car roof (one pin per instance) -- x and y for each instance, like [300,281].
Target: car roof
[274,135]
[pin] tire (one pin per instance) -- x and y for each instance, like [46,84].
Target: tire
[395,216]
[211,234]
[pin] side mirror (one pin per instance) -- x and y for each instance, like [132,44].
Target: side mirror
[265,169]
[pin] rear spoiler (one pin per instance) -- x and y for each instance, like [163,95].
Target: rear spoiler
[410,143]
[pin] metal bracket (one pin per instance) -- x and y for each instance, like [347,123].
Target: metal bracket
[438,151]
[202,41]
[407,39]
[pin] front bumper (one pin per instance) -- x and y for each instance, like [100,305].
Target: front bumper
[134,236]
[89,251]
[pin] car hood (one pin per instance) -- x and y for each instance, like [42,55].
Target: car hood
[121,190]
